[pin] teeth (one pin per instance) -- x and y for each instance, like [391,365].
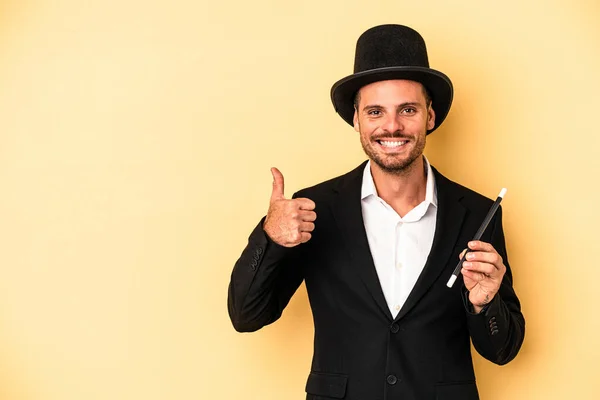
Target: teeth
[392,144]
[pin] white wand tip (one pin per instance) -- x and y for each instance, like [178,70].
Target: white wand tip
[502,193]
[451,281]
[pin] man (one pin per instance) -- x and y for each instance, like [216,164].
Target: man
[387,238]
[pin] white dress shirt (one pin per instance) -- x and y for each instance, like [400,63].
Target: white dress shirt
[399,246]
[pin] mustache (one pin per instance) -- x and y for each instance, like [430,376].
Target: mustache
[391,135]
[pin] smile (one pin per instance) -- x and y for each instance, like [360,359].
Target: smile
[392,144]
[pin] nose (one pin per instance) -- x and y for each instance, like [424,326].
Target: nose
[392,124]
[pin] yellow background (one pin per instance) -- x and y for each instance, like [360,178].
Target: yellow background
[136,138]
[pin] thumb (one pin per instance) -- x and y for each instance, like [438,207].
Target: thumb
[277,193]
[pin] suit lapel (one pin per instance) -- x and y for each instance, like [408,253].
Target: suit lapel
[450,215]
[347,211]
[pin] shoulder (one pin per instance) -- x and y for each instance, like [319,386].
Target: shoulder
[467,196]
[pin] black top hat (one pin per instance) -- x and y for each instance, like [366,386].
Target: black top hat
[392,52]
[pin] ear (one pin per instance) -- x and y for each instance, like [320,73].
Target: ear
[430,118]
[355,121]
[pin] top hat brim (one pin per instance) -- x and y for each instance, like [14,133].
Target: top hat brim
[437,83]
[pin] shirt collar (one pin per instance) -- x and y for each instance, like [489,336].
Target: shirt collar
[368,185]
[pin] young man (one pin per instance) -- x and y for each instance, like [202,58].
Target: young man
[387,238]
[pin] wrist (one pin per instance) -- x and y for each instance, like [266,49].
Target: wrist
[478,308]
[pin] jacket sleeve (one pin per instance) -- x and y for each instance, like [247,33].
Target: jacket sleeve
[263,281]
[498,330]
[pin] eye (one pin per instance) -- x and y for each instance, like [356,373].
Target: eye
[374,113]
[408,110]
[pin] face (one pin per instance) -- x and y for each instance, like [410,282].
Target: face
[392,118]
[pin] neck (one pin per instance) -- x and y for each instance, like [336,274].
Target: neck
[403,191]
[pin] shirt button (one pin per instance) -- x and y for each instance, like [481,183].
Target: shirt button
[391,379]
[399,265]
[397,307]
[394,328]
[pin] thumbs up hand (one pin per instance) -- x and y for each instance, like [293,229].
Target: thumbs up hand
[289,222]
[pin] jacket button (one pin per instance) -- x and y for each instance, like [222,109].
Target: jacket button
[259,251]
[394,328]
[494,332]
[391,379]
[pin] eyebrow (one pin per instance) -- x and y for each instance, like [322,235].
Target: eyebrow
[402,105]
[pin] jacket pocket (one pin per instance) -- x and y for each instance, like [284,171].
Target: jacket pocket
[457,391]
[327,385]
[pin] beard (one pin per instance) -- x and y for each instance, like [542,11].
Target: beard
[394,163]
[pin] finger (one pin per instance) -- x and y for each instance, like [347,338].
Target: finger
[305,237]
[277,193]
[487,257]
[462,253]
[471,278]
[305,204]
[481,246]
[306,227]
[468,281]
[308,216]
[486,269]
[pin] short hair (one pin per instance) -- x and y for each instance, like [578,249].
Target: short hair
[425,93]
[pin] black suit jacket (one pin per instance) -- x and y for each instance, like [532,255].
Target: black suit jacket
[360,351]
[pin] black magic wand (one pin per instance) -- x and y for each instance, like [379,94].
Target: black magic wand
[478,235]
